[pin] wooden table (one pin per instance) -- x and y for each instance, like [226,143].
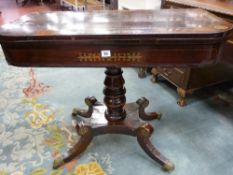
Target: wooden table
[189,79]
[115,39]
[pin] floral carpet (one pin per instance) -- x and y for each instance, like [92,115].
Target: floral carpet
[33,131]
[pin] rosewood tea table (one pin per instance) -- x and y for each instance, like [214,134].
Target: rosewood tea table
[115,39]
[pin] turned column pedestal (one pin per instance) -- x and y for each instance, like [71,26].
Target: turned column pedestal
[115,117]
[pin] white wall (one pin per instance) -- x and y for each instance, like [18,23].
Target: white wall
[138,4]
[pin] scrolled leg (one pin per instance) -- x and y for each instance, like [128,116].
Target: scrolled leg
[143,134]
[86,137]
[90,102]
[143,103]
[142,72]
[154,79]
[155,75]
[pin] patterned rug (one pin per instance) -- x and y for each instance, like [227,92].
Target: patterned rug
[34,131]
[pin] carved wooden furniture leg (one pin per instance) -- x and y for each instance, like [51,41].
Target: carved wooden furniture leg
[90,101]
[115,117]
[141,72]
[182,97]
[154,78]
[143,134]
[143,103]
[86,136]
[129,126]
[155,75]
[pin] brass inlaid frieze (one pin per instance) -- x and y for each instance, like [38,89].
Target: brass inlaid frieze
[115,57]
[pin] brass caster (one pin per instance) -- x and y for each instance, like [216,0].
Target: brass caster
[168,166]
[74,112]
[159,115]
[77,111]
[181,102]
[58,162]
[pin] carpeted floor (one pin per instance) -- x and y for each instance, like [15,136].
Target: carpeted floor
[36,127]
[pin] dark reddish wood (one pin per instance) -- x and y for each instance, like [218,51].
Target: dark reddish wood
[114,92]
[90,102]
[153,38]
[100,124]
[86,134]
[111,119]
[143,103]
[127,38]
[143,134]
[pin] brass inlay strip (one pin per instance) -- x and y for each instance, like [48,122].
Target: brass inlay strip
[115,57]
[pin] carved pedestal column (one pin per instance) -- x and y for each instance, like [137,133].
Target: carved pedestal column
[115,117]
[114,92]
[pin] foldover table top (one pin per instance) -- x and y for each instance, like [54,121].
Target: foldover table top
[108,38]
[137,22]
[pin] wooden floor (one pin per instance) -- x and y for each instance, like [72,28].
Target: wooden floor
[11,11]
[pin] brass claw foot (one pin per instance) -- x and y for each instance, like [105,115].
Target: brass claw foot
[143,134]
[90,102]
[58,162]
[168,166]
[143,103]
